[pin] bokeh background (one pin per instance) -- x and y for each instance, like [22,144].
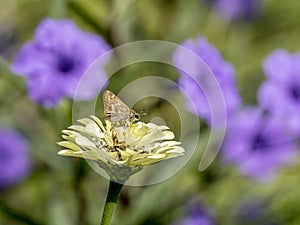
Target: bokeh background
[48,189]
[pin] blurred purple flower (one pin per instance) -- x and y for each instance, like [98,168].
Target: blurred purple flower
[198,214]
[56,60]
[258,144]
[254,211]
[14,157]
[223,72]
[238,9]
[280,93]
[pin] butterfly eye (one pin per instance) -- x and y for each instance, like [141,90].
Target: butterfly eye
[136,116]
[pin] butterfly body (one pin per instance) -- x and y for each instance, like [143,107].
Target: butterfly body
[117,111]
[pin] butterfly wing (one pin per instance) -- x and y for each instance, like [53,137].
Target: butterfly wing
[116,110]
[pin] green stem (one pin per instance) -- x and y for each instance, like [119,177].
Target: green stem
[111,202]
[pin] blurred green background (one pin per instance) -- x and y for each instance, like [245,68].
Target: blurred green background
[66,191]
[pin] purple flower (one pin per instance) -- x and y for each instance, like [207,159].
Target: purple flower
[258,144]
[197,214]
[56,60]
[280,93]
[254,211]
[238,9]
[14,157]
[223,72]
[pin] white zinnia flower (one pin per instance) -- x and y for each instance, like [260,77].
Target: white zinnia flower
[120,151]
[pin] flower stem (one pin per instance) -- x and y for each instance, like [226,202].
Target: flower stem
[111,202]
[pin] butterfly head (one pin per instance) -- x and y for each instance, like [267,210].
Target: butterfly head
[134,116]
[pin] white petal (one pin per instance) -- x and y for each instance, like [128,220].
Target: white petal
[93,129]
[100,124]
[69,145]
[85,121]
[83,141]
[177,149]
[156,156]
